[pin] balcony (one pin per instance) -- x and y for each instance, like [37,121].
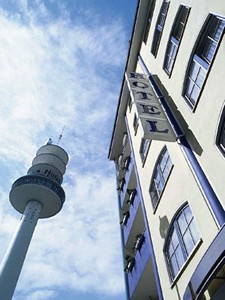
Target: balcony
[134,221]
[129,182]
[141,279]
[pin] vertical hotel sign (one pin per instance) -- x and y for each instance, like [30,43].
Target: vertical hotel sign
[152,117]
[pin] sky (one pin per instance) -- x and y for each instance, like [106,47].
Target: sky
[61,64]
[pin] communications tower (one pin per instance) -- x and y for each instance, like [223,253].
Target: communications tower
[36,195]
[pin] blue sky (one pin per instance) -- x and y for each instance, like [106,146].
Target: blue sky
[62,64]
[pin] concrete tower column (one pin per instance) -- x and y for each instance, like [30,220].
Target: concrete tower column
[36,195]
[13,261]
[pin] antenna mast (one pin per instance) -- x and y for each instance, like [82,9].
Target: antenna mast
[60,136]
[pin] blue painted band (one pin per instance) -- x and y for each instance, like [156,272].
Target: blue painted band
[202,180]
[207,268]
[157,279]
[122,244]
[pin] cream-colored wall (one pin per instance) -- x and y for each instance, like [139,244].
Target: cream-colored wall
[181,187]
[203,123]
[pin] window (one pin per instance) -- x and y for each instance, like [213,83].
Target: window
[148,22]
[202,58]
[145,144]
[130,103]
[160,176]
[220,139]
[135,123]
[159,27]
[181,239]
[175,38]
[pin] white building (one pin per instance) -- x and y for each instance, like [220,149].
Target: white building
[168,144]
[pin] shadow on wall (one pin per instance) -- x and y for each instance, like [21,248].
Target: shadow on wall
[194,144]
[163,226]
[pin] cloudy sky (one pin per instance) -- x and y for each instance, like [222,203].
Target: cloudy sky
[61,64]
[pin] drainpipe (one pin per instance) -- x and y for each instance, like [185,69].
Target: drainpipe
[201,179]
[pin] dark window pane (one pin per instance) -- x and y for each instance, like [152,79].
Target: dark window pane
[175,38]
[159,27]
[222,137]
[180,22]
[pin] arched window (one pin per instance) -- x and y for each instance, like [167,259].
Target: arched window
[160,175]
[181,239]
[202,58]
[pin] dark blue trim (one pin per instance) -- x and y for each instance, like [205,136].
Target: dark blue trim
[202,180]
[122,246]
[157,279]
[210,263]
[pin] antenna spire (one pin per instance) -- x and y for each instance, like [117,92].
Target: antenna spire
[60,136]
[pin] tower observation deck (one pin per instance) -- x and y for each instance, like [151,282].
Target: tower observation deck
[36,195]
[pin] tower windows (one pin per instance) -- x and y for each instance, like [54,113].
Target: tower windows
[161,173]
[181,239]
[202,58]
[175,38]
[159,27]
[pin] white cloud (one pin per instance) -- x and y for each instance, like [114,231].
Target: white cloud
[41,295]
[78,249]
[55,74]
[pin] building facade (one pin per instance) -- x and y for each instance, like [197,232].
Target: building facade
[168,145]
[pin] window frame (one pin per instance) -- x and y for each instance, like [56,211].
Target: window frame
[192,228]
[154,186]
[143,151]
[198,59]
[173,40]
[159,26]
[148,21]
[220,131]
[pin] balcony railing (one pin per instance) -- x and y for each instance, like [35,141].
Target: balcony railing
[141,259]
[123,192]
[132,214]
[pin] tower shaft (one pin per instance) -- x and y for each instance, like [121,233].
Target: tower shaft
[12,263]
